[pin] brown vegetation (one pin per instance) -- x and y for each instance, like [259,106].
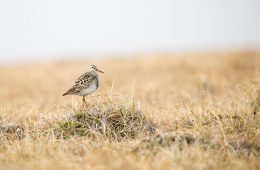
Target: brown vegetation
[192,111]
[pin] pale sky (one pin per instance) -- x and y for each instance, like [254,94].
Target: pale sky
[33,29]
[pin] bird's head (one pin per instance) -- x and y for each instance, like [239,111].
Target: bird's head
[94,68]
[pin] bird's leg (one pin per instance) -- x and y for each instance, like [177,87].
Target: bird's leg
[84,101]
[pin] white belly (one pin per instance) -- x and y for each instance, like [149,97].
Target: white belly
[89,90]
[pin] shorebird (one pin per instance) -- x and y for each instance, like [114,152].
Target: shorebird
[86,84]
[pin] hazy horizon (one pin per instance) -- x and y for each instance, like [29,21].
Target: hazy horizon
[34,29]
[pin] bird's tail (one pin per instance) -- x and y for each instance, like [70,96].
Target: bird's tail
[64,94]
[70,91]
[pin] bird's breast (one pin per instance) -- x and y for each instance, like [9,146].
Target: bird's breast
[89,90]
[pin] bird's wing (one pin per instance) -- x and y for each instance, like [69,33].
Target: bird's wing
[84,81]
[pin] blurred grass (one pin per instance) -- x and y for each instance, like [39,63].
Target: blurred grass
[185,111]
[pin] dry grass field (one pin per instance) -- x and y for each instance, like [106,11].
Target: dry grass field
[161,111]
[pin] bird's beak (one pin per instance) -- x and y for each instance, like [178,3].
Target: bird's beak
[100,71]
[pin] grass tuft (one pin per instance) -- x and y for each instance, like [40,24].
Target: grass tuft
[12,132]
[111,121]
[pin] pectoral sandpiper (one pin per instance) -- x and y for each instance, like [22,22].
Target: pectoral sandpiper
[85,84]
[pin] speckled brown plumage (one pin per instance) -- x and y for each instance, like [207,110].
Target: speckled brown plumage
[85,84]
